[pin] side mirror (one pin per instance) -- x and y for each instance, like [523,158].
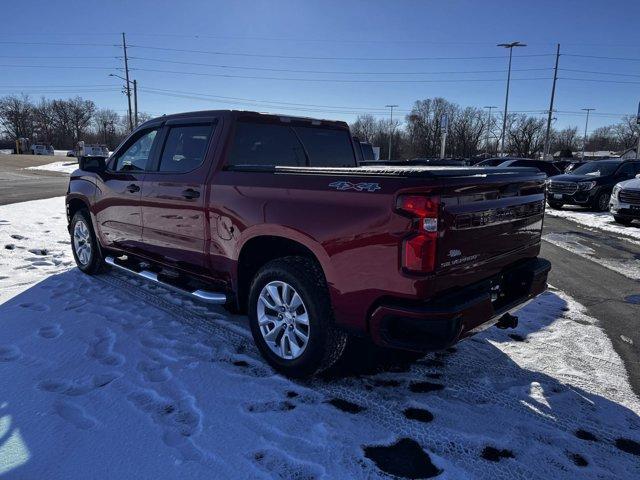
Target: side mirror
[92,164]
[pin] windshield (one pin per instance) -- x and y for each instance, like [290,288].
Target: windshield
[596,169]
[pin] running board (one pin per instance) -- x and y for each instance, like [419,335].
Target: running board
[202,295]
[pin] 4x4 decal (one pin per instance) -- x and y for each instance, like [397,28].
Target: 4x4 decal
[359,187]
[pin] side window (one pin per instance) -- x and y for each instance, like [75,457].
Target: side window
[136,156]
[627,170]
[184,148]
[264,144]
[327,147]
[637,165]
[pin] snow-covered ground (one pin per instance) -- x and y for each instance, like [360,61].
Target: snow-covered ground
[108,377]
[66,166]
[599,221]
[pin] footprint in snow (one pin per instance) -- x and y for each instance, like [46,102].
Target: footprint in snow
[77,388]
[425,387]
[405,459]
[418,414]
[345,405]
[18,237]
[267,407]
[9,353]
[50,331]
[577,459]
[34,306]
[154,371]
[629,446]
[586,435]
[495,455]
[39,251]
[279,465]
[102,348]
[10,246]
[75,415]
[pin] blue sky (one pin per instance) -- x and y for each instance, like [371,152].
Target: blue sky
[380,41]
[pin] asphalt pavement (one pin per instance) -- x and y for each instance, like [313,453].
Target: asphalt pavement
[17,184]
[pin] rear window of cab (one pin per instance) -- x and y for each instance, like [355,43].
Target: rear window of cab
[270,144]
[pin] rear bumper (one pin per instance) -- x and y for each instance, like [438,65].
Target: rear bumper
[441,322]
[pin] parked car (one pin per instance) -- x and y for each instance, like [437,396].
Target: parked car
[364,151]
[40,149]
[491,162]
[271,216]
[573,165]
[545,167]
[625,201]
[590,185]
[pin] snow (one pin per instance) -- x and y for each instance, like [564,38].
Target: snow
[597,221]
[67,166]
[109,377]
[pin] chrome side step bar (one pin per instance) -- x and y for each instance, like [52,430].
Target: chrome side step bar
[202,295]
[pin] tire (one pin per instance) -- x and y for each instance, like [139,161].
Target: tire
[622,220]
[293,356]
[555,205]
[601,203]
[89,260]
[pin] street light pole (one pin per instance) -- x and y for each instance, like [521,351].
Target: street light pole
[490,107]
[390,129]
[586,126]
[506,100]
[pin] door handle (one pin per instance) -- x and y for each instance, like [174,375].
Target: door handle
[133,188]
[190,193]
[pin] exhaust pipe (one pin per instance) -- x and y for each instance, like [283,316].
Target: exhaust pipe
[507,321]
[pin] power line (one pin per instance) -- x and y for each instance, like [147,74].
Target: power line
[84,67]
[600,73]
[302,57]
[599,80]
[341,72]
[330,80]
[602,57]
[59,44]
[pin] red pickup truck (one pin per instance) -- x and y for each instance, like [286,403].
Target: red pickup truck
[271,215]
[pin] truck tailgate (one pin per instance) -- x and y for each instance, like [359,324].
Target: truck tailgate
[489,219]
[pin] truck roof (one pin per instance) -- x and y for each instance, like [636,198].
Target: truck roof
[235,114]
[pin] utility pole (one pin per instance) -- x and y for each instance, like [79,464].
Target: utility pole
[135,102]
[491,107]
[390,129]
[126,74]
[638,125]
[506,100]
[586,126]
[444,123]
[545,150]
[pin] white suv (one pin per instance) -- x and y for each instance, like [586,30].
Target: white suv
[625,201]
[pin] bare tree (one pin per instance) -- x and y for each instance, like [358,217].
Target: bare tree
[525,135]
[565,139]
[80,113]
[365,127]
[105,122]
[16,116]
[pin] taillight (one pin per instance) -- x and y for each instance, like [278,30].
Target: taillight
[419,249]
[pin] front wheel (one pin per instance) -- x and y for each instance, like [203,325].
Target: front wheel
[601,203]
[291,317]
[84,244]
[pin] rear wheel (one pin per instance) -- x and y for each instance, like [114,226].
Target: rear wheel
[601,203]
[555,205]
[84,244]
[622,220]
[291,318]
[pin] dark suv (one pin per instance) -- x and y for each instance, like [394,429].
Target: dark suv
[590,185]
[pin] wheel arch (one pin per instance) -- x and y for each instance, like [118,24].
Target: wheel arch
[261,248]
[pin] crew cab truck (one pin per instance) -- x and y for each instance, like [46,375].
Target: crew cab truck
[270,215]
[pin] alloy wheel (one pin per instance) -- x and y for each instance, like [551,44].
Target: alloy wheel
[283,320]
